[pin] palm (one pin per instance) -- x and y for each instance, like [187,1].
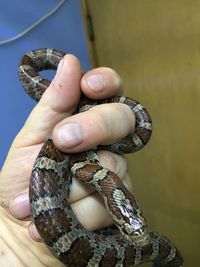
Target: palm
[17,172]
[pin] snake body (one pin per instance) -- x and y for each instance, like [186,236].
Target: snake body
[128,242]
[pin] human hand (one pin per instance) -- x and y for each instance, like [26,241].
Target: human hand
[53,113]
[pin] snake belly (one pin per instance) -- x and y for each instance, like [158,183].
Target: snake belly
[128,242]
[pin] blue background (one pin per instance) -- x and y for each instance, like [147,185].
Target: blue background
[63,30]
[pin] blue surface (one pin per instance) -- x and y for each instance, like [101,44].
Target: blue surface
[63,30]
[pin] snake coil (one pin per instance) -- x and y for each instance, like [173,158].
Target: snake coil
[128,242]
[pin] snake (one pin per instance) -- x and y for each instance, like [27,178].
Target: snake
[127,242]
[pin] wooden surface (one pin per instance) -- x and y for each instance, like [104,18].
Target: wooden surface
[155,46]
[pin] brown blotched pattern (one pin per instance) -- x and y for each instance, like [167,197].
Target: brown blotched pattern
[129,243]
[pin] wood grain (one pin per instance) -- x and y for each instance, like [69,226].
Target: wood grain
[155,47]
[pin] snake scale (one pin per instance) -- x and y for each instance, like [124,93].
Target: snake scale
[128,242]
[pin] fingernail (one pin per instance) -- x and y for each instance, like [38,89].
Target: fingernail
[20,207]
[60,65]
[70,134]
[96,82]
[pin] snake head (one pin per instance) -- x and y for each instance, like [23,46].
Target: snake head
[131,224]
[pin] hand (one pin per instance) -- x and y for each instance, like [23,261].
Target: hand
[52,116]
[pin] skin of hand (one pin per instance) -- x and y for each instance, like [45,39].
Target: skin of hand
[52,116]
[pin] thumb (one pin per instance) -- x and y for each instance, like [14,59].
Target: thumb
[58,101]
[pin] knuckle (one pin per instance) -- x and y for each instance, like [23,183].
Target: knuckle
[114,162]
[108,117]
[103,122]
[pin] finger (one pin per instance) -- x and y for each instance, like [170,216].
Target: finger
[101,83]
[84,205]
[99,125]
[111,161]
[85,200]
[92,204]
[59,101]
[33,232]
[19,205]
